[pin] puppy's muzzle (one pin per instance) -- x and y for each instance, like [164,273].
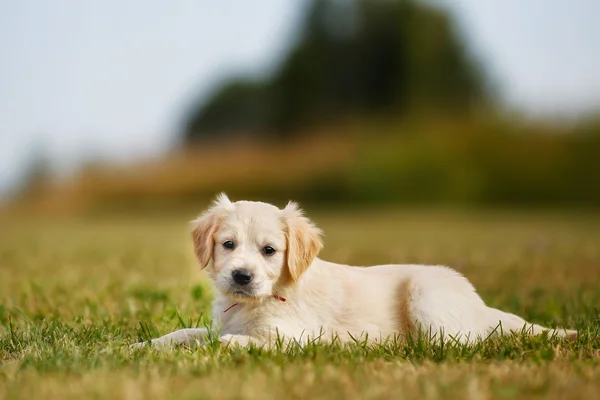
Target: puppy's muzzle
[241,276]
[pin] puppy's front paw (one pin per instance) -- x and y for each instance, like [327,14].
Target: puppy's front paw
[139,345]
[189,337]
[136,346]
[154,343]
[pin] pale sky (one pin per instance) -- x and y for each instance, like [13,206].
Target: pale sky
[110,79]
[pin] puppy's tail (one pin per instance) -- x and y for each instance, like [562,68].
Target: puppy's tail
[514,323]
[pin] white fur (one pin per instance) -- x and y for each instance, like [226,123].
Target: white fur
[322,299]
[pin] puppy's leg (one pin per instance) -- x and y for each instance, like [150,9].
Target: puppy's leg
[514,323]
[243,341]
[449,309]
[188,337]
[441,301]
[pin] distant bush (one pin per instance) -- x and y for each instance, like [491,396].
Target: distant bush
[481,163]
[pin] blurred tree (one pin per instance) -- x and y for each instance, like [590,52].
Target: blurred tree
[352,56]
[38,172]
[239,105]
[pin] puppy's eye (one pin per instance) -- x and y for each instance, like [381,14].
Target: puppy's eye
[228,244]
[268,251]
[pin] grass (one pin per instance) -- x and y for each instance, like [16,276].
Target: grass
[74,292]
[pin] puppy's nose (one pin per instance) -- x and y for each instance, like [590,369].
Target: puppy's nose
[241,276]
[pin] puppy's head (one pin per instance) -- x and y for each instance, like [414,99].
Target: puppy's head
[250,248]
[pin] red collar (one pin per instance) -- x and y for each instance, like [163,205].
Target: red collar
[235,304]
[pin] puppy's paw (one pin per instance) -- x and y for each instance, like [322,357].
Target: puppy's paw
[156,344]
[140,345]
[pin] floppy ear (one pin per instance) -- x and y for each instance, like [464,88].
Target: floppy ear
[205,226]
[303,240]
[202,236]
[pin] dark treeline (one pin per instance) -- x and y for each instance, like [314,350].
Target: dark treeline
[353,57]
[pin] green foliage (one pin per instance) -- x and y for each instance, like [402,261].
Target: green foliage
[488,163]
[351,57]
[479,163]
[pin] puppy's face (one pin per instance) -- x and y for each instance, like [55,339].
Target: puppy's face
[251,249]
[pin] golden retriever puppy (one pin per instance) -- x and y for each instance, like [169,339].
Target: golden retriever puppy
[270,285]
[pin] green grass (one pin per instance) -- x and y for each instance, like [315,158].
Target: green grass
[75,292]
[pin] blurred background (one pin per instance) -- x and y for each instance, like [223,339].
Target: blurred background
[147,105]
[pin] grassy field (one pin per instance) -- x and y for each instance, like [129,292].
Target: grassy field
[75,291]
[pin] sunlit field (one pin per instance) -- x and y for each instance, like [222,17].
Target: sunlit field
[74,292]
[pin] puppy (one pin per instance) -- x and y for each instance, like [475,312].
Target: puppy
[270,285]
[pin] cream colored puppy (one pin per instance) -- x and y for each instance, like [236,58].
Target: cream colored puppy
[270,284]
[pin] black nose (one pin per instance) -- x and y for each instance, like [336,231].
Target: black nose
[241,276]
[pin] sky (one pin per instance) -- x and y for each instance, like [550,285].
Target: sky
[110,80]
